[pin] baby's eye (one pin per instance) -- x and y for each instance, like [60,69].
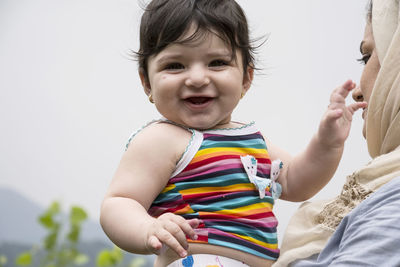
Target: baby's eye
[174,66]
[218,63]
[364,59]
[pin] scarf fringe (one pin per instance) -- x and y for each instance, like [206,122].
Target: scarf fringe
[352,194]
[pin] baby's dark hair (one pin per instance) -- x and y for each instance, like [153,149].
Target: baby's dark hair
[166,21]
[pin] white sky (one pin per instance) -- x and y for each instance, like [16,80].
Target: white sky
[70,96]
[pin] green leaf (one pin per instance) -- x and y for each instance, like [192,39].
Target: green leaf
[24,259]
[104,259]
[81,259]
[46,220]
[54,208]
[77,215]
[138,262]
[73,235]
[3,260]
[50,241]
[117,254]
[108,258]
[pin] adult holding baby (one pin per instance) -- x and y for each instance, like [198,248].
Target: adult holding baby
[361,226]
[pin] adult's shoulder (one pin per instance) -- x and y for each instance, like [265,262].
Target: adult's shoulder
[367,236]
[386,197]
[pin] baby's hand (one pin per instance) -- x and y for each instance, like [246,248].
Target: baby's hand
[171,230]
[336,122]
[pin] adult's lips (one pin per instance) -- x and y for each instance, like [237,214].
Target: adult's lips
[364,113]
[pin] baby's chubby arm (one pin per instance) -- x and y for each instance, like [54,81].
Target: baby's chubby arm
[142,174]
[305,174]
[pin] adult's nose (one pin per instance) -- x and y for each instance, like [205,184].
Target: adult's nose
[197,77]
[357,94]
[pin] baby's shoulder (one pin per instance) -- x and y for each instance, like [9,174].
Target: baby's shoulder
[161,131]
[160,137]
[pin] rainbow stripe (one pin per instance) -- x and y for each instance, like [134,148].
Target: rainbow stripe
[214,188]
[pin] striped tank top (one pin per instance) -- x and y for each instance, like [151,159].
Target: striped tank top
[211,184]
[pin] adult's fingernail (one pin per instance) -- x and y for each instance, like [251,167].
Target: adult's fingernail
[183,254]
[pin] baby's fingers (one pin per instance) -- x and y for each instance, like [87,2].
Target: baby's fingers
[172,231]
[356,106]
[332,115]
[174,239]
[339,95]
[345,88]
[188,228]
[154,244]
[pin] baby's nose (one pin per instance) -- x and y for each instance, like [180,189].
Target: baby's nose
[197,77]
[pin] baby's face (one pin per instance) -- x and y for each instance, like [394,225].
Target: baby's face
[198,84]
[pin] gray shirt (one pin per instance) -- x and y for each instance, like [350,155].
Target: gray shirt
[368,236]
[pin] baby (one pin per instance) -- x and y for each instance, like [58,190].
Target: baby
[195,187]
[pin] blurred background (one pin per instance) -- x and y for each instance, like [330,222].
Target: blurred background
[71,97]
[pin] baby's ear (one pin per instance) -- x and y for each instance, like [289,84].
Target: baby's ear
[145,81]
[248,78]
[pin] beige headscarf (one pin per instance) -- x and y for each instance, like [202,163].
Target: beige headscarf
[314,223]
[383,120]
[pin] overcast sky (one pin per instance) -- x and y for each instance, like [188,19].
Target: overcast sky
[70,95]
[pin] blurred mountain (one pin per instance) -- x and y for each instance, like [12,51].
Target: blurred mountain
[18,221]
[18,218]
[20,230]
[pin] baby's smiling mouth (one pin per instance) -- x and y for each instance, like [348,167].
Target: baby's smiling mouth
[198,100]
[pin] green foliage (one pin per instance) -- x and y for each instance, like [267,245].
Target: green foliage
[107,258]
[3,260]
[60,251]
[138,262]
[81,259]
[61,247]
[114,257]
[47,218]
[77,215]
[24,259]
